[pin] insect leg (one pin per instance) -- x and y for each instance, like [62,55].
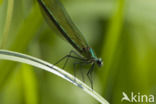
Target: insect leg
[69,56]
[89,74]
[75,69]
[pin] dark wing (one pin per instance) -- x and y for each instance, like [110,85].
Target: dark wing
[57,15]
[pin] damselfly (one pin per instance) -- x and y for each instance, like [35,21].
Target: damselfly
[56,14]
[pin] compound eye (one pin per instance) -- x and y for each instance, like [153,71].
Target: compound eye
[99,62]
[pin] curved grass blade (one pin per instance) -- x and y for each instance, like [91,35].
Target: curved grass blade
[14,56]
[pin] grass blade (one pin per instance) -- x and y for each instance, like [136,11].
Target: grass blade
[14,56]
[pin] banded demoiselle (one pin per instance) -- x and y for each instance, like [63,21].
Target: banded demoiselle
[56,15]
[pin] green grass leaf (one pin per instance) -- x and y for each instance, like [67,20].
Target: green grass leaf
[14,56]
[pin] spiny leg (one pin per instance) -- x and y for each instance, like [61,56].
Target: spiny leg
[69,56]
[80,63]
[67,60]
[82,75]
[61,59]
[89,74]
[74,70]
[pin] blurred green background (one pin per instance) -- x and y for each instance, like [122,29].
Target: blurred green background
[122,32]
